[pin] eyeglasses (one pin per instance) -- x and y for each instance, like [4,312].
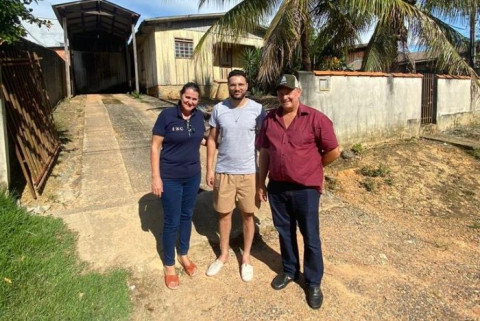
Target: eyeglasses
[190,128]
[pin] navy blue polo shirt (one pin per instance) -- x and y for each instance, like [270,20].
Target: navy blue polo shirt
[180,154]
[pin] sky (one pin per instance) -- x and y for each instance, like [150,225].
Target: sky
[158,8]
[146,8]
[53,36]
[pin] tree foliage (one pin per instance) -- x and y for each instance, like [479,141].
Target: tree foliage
[12,13]
[338,25]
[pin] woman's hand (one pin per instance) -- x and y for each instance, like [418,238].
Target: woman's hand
[157,186]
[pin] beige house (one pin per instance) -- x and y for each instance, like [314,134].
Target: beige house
[166,59]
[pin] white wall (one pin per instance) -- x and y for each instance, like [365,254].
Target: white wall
[454,102]
[365,107]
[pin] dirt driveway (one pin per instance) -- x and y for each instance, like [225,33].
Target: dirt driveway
[400,225]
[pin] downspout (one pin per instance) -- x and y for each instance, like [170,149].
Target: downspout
[67,57]
[135,64]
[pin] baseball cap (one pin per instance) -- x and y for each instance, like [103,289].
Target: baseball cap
[289,81]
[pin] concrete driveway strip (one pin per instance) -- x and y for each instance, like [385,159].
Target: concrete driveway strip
[104,177]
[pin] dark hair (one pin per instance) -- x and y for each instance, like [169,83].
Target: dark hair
[237,72]
[191,85]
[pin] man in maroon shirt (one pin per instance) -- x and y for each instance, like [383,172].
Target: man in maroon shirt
[296,142]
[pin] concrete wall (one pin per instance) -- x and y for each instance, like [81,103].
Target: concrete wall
[455,105]
[366,107]
[476,102]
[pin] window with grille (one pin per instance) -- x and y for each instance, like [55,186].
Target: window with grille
[183,48]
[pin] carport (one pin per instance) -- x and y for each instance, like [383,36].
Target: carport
[96,34]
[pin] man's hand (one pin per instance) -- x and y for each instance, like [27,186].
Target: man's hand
[262,193]
[209,178]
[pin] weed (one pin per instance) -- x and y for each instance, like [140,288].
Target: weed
[475,226]
[475,153]
[358,149]
[136,94]
[331,183]
[369,171]
[369,184]
[389,181]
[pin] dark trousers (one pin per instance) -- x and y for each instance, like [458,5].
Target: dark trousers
[293,205]
[178,200]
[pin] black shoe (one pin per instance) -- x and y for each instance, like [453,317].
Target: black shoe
[281,281]
[314,297]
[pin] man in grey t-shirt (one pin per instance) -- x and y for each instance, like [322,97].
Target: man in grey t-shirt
[235,121]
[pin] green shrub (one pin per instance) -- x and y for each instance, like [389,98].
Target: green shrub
[358,149]
[369,171]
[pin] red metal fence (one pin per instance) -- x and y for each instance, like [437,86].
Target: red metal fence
[29,116]
[428,99]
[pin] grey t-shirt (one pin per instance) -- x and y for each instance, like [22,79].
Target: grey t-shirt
[237,129]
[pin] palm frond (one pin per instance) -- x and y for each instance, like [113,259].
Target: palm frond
[437,43]
[245,17]
[283,38]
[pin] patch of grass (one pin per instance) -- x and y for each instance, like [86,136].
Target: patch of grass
[475,153]
[389,181]
[358,149]
[369,184]
[475,226]
[41,277]
[370,171]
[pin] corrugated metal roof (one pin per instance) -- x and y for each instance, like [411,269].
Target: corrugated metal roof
[96,15]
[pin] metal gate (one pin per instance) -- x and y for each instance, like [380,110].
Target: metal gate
[429,108]
[29,116]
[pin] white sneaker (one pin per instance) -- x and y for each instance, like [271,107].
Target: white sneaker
[214,268]
[247,272]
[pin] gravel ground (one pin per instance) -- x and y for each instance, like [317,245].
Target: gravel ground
[400,244]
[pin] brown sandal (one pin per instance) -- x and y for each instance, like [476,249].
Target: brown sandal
[172,282]
[191,269]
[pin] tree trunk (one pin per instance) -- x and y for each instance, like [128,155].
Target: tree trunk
[473,48]
[305,45]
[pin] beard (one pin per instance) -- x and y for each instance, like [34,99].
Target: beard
[238,97]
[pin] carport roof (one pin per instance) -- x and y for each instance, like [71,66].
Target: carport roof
[96,15]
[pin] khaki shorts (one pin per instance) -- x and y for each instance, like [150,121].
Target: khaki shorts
[229,189]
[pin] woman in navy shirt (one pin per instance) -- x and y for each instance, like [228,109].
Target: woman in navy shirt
[175,161]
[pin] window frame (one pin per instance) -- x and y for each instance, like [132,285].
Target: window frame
[183,48]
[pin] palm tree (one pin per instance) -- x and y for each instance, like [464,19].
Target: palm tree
[286,36]
[398,21]
[460,11]
[339,25]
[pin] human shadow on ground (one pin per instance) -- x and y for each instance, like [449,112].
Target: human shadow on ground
[150,212]
[205,221]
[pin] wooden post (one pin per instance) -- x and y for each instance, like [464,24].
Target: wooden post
[67,57]
[473,51]
[4,152]
[129,66]
[135,64]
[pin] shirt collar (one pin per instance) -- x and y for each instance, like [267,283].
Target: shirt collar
[179,111]
[301,111]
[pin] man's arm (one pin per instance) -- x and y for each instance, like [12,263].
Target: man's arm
[263,163]
[211,148]
[330,156]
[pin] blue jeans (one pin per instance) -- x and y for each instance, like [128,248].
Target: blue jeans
[178,200]
[293,205]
